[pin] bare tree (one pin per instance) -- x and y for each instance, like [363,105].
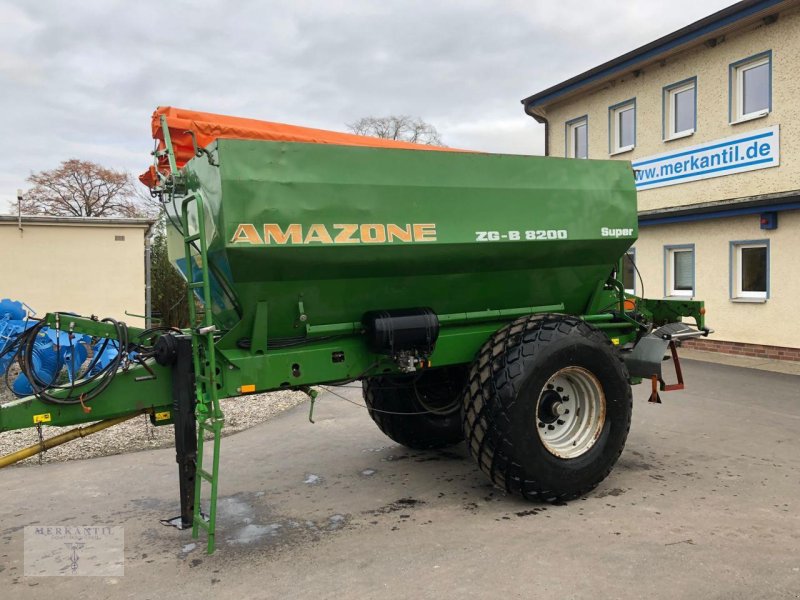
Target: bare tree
[81,188]
[397,127]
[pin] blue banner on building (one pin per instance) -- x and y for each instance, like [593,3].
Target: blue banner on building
[759,149]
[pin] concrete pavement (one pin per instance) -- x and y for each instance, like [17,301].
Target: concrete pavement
[702,504]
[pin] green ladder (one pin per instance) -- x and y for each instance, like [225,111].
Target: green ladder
[208,412]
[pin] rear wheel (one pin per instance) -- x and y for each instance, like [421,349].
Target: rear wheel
[548,407]
[420,411]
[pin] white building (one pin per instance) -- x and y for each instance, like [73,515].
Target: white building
[82,265]
[709,116]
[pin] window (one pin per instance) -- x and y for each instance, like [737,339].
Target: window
[680,109]
[622,127]
[629,271]
[679,270]
[751,88]
[750,270]
[577,138]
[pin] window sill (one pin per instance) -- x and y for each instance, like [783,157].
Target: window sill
[622,150]
[752,117]
[679,297]
[749,300]
[680,135]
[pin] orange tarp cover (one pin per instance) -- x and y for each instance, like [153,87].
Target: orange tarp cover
[208,127]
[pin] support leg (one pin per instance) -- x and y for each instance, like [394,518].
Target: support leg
[183,399]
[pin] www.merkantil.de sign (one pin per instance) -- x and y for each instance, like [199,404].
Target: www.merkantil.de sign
[759,149]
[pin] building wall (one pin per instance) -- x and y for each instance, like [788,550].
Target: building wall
[77,268]
[710,66]
[770,323]
[773,322]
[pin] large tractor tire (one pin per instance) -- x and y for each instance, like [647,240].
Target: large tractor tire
[420,411]
[547,408]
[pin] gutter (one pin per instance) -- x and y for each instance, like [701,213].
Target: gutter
[18,220]
[706,28]
[778,202]
[540,118]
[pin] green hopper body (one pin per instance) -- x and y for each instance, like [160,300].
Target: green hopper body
[323,234]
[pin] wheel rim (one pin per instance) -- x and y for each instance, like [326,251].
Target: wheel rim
[570,412]
[439,400]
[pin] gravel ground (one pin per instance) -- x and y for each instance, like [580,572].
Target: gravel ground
[139,434]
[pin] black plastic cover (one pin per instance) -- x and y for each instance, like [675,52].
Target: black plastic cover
[390,332]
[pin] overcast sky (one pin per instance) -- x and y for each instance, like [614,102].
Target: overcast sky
[81,79]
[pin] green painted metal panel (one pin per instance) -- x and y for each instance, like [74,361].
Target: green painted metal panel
[492,231]
[123,396]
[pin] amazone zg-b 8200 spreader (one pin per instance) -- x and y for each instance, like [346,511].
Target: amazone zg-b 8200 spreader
[477,297]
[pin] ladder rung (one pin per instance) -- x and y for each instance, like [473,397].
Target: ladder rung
[195,285]
[207,428]
[205,475]
[191,238]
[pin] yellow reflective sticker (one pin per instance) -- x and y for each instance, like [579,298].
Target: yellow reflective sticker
[615,341]
[246,389]
[162,416]
[42,418]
